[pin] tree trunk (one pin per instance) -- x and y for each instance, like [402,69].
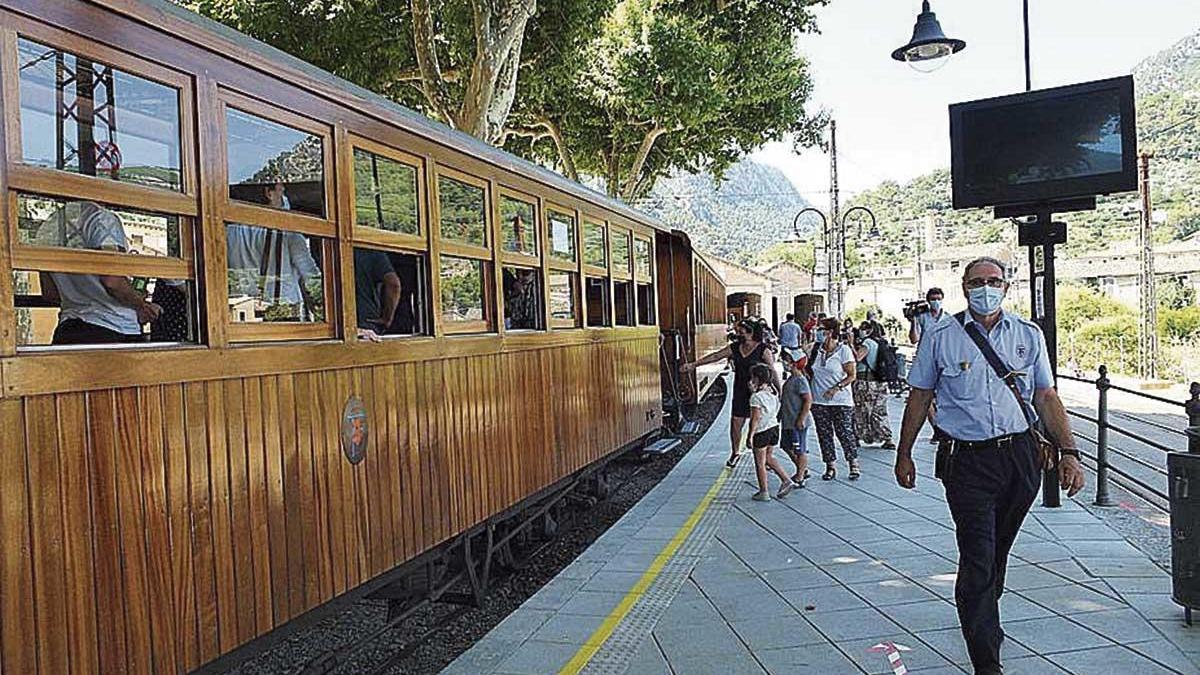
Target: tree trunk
[628,192]
[433,82]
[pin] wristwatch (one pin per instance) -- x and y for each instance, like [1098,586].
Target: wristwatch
[1069,452]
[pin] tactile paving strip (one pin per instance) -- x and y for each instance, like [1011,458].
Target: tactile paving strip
[614,656]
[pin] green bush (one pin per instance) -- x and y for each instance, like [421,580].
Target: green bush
[1110,341]
[1079,307]
[1179,324]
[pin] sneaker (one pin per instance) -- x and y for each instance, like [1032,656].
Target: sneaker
[785,490]
[761,497]
[888,445]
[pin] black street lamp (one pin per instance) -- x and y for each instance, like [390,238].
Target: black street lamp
[929,48]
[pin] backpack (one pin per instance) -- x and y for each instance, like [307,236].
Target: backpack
[887,365]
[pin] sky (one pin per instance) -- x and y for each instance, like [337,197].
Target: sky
[892,122]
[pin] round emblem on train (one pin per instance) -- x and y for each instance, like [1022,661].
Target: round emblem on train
[356,431]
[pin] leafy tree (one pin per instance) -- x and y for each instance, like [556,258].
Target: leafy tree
[671,84]
[1175,294]
[1182,323]
[801,254]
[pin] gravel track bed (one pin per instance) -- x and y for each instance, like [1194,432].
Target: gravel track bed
[432,641]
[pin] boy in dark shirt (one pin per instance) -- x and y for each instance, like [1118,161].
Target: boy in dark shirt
[794,404]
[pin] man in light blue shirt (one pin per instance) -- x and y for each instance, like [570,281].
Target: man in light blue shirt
[993,471]
[789,333]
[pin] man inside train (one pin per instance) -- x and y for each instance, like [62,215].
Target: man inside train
[94,308]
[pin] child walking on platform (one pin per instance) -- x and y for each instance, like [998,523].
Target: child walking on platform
[764,431]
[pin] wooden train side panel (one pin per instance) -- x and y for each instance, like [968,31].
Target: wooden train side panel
[293,499]
[163,629]
[48,554]
[199,480]
[306,492]
[221,517]
[277,531]
[77,531]
[187,646]
[139,658]
[415,517]
[324,447]
[386,379]
[233,403]
[110,594]
[337,500]
[259,539]
[18,637]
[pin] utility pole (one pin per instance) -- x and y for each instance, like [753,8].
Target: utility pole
[1148,338]
[836,243]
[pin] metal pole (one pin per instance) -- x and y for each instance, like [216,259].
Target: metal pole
[1148,333]
[1193,412]
[1028,79]
[836,261]
[1102,385]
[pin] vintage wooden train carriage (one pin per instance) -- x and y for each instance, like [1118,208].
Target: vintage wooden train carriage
[196,230]
[691,310]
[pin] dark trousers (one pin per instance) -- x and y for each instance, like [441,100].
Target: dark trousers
[77,332]
[989,493]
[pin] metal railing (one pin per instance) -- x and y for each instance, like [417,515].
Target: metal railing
[1122,476]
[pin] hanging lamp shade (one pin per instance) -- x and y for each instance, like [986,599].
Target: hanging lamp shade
[928,42]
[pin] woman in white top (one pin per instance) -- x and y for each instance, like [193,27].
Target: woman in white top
[832,369]
[764,431]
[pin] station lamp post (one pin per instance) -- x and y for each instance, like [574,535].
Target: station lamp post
[929,48]
[834,236]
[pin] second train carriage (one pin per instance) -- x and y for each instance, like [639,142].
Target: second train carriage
[178,481]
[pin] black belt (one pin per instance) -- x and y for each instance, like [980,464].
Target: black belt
[998,443]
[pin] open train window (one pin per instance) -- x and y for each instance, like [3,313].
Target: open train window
[391,292]
[523,306]
[466,286]
[599,307]
[646,304]
[97,274]
[273,165]
[564,304]
[623,302]
[88,117]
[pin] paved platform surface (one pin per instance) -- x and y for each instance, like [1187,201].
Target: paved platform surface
[698,578]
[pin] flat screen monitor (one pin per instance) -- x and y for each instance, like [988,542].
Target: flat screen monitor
[1043,146]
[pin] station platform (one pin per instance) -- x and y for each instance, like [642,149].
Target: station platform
[839,577]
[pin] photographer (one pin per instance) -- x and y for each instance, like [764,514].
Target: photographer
[921,318]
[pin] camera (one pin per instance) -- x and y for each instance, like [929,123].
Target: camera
[915,308]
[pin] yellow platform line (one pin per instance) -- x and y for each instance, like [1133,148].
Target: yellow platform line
[605,631]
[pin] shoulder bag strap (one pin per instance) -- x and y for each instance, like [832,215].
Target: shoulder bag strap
[1002,371]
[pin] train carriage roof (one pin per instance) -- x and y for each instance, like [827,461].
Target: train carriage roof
[168,16]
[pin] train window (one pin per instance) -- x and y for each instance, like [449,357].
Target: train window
[518,224]
[523,307]
[462,210]
[274,165]
[642,259]
[595,252]
[623,302]
[84,225]
[563,294]
[391,294]
[646,304]
[81,279]
[599,307]
[620,252]
[276,276]
[385,193]
[465,291]
[561,232]
[87,117]
[59,308]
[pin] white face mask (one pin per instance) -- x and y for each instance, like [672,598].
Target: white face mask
[985,300]
[287,204]
[935,305]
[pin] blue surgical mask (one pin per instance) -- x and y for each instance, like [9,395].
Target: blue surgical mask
[820,335]
[985,300]
[935,305]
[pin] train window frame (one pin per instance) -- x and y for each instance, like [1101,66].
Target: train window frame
[454,247]
[70,185]
[553,259]
[426,285]
[637,276]
[587,222]
[488,325]
[52,183]
[576,319]
[228,211]
[514,258]
[617,233]
[377,236]
[502,300]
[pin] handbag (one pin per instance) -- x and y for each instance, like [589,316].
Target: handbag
[1048,454]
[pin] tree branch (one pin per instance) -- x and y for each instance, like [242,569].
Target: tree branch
[560,144]
[639,161]
[433,83]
